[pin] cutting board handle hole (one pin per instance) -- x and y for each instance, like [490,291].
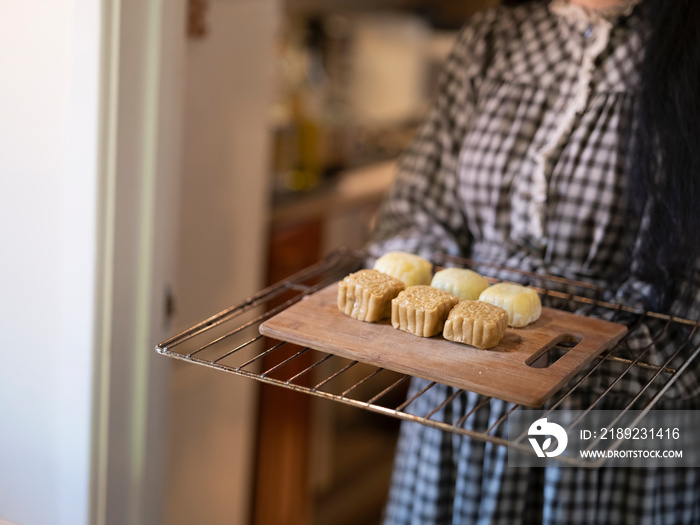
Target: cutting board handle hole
[553,351]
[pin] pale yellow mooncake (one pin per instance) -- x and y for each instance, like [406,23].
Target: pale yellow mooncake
[476,323]
[366,295]
[462,282]
[410,268]
[422,310]
[521,302]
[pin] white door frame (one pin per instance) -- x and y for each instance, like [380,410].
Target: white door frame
[142,59]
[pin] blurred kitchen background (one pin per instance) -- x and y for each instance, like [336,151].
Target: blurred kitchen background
[161,161]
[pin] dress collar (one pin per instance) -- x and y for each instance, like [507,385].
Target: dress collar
[578,13]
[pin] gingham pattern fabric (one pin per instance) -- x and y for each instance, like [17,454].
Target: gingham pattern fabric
[521,163]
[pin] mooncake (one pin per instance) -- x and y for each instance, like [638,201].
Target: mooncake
[476,323]
[521,302]
[366,295]
[464,283]
[410,268]
[422,310]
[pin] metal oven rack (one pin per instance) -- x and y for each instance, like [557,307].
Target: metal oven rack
[230,341]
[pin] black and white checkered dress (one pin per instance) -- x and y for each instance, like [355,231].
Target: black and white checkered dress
[521,163]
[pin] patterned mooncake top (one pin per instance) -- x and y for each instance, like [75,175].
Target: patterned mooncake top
[479,310]
[425,297]
[374,281]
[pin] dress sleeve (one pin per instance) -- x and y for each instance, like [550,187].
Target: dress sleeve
[422,213]
[659,339]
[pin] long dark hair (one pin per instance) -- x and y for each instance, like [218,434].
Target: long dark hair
[665,152]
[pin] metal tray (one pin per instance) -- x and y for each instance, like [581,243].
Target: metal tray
[230,341]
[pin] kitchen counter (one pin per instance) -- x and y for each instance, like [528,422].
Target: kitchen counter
[350,189]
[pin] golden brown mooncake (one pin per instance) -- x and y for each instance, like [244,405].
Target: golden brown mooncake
[410,268]
[476,323]
[462,282]
[422,310]
[521,302]
[366,295]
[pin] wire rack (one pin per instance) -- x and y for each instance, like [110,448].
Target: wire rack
[230,341]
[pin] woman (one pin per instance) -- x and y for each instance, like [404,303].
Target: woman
[564,140]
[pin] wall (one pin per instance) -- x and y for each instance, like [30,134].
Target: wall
[48,131]
[89,162]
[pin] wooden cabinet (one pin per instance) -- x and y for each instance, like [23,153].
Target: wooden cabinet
[290,424]
[282,495]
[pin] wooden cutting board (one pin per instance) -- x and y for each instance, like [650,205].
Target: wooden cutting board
[503,372]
